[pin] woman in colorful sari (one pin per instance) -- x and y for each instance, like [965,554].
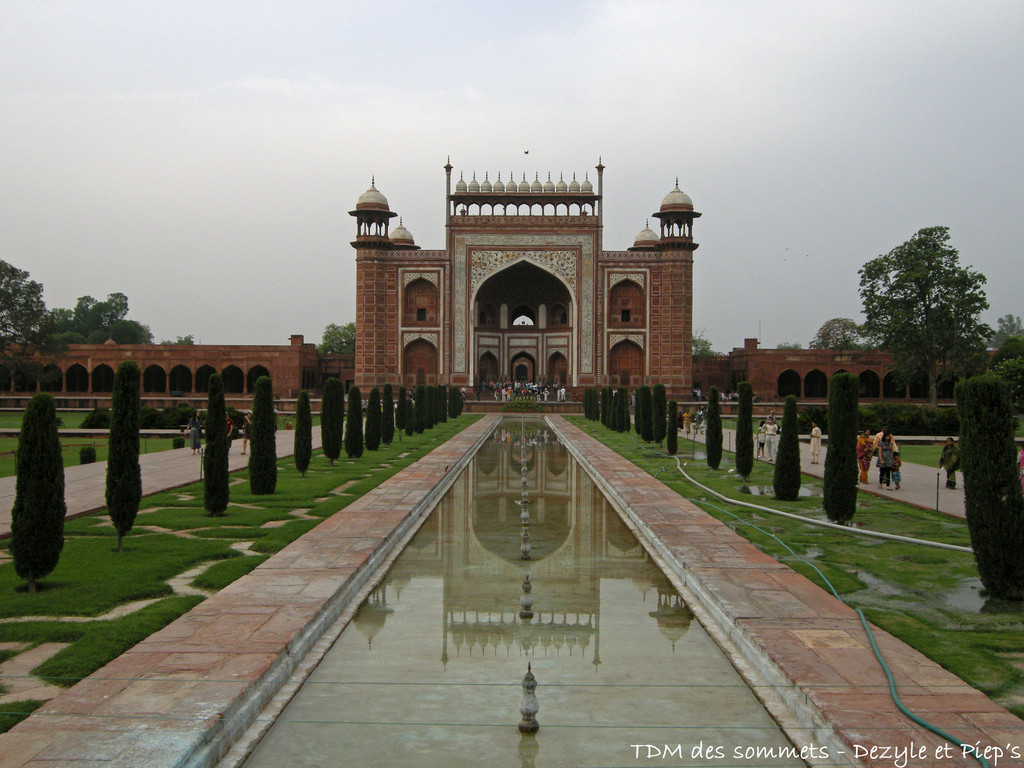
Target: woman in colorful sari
[865,447]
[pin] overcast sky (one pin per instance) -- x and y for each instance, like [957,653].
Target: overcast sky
[202,157]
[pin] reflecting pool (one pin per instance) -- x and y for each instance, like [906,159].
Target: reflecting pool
[429,671]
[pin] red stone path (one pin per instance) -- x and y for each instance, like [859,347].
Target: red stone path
[182,696]
[783,623]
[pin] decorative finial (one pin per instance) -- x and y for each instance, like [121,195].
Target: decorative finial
[526,601]
[677,182]
[528,705]
[373,182]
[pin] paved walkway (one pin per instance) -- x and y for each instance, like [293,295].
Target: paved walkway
[918,487]
[185,693]
[85,485]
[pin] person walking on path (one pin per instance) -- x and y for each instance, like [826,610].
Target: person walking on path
[815,443]
[195,432]
[247,430]
[771,432]
[950,461]
[865,449]
[760,439]
[886,453]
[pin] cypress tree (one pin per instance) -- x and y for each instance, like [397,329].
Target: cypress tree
[332,419]
[37,517]
[606,406]
[787,459]
[640,403]
[622,411]
[713,434]
[124,477]
[992,493]
[454,396]
[442,403]
[263,454]
[387,413]
[373,418]
[420,409]
[402,411]
[659,428]
[645,403]
[431,413]
[840,494]
[216,491]
[745,430]
[303,433]
[354,424]
[672,428]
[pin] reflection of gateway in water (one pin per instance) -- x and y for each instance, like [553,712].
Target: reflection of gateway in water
[433,674]
[577,539]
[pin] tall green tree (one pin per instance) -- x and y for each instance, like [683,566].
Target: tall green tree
[1010,349]
[658,406]
[1012,372]
[1006,326]
[124,476]
[338,340]
[216,488]
[442,403]
[713,433]
[838,334]
[420,409]
[992,493]
[745,429]
[787,458]
[27,329]
[37,517]
[94,322]
[303,451]
[672,428]
[373,419]
[925,308]
[332,419]
[354,424]
[387,414]
[263,454]
[840,495]
[606,406]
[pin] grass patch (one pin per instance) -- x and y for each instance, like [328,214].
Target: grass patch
[93,578]
[14,712]
[219,575]
[926,597]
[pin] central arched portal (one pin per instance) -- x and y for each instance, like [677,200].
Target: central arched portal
[521,315]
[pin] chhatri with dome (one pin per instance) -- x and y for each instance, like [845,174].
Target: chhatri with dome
[524,289]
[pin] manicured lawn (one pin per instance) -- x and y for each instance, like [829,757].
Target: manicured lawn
[92,578]
[927,597]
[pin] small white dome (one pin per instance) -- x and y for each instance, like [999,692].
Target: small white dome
[486,185]
[574,186]
[474,185]
[460,185]
[401,235]
[646,237]
[372,198]
[676,199]
[549,185]
[561,186]
[499,185]
[587,187]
